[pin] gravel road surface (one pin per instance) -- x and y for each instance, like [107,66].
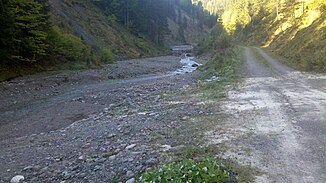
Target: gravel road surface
[277,121]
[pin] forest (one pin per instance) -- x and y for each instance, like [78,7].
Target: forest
[150,17]
[294,29]
[30,36]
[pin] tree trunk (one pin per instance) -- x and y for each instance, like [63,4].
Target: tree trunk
[277,10]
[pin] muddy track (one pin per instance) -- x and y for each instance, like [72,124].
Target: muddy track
[277,121]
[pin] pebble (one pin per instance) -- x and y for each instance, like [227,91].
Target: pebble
[43,170]
[131,146]
[97,167]
[130,173]
[118,148]
[28,168]
[113,157]
[151,161]
[17,179]
[130,159]
[185,118]
[111,135]
[66,175]
[132,180]
[58,159]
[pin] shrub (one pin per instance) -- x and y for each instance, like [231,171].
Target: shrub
[209,171]
[112,19]
[68,46]
[106,56]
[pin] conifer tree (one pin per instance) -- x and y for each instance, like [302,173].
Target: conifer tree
[24,27]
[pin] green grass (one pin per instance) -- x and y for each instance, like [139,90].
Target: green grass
[301,46]
[196,152]
[227,66]
[239,172]
[207,170]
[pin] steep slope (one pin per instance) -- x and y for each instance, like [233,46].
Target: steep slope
[185,29]
[296,32]
[305,48]
[84,19]
[294,29]
[79,34]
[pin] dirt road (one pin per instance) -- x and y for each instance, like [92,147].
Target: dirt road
[277,121]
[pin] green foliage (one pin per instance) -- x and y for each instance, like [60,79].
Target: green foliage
[24,30]
[293,29]
[209,170]
[112,19]
[139,16]
[194,152]
[149,48]
[68,47]
[150,17]
[216,41]
[107,56]
[225,63]
[219,38]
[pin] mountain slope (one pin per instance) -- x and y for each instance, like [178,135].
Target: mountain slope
[297,32]
[85,20]
[79,34]
[294,29]
[186,30]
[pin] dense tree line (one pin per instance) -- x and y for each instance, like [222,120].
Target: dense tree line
[24,30]
[293,29]
[150,16]
[27,35]
[237,14]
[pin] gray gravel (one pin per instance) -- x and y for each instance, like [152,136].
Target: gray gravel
[276,121]
[89,130]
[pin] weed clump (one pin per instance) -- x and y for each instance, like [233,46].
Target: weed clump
[209,170]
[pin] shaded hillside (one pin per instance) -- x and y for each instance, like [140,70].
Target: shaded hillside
[85,20]
[133,29]
[167,22]
[77,34]
[186,29]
